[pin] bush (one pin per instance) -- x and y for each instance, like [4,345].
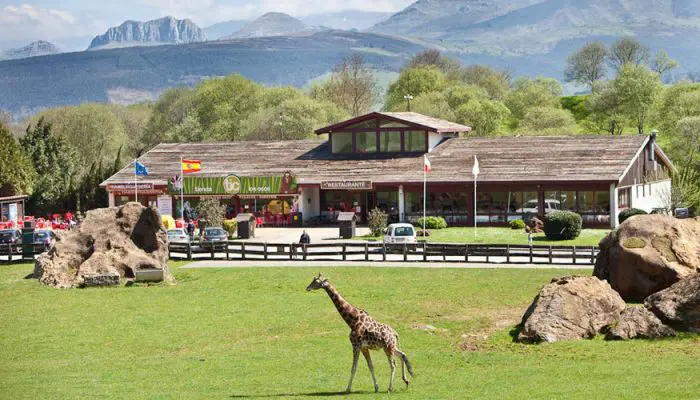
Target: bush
[212,211]
[517,224]
[230,226]
[562,225]
[432,223]
[630,212]
[377,221]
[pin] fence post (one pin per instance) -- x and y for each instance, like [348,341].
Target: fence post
[444,252]
[384,252]
[243,250]
[265,250]
[189,251]
[550,254]
[466,253]
[487,250]
[530,254]
[227,255]
[344,255]
[507,254]
[212,250]
[366,251]
[592,254]
[574,253]
[291,250]
[9,258]
[305,251]
[405,252]
[425,251]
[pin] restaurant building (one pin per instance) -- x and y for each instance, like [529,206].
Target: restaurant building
[376,160]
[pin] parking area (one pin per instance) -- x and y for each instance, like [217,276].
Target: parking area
[291,235]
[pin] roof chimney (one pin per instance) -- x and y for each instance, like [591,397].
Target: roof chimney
[652,145]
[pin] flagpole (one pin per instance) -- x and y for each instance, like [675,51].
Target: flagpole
[182,193]
[136,184]
[425,176]
[474,206]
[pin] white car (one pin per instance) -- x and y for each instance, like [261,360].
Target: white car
[530,206]
[400,233]
[178,236]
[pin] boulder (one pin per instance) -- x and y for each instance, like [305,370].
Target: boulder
[572,307]
[649,253]
[678,305]
[118,240]
[638,322]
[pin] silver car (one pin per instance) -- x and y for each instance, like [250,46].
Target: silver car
[178,236]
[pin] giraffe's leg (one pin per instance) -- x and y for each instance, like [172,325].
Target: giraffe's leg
[355,356]
[365,352]
[392,365]
[403,366]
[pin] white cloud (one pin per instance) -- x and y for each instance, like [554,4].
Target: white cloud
[27,22]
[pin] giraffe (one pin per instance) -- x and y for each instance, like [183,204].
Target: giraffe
[365,334]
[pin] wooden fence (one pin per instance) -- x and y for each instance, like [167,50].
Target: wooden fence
[377,251]
[362,251]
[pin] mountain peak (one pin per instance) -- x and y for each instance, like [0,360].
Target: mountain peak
[34,49]
[271,24]
[166,30]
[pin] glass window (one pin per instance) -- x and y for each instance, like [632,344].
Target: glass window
[602,202]
[342,142]
[387,123]
[414,140]
[586,202]
[390,141]
[371,124]
[366,142]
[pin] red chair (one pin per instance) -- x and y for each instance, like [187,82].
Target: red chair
[278,220]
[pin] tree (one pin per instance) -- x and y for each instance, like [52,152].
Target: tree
[663,63]
[546,121]
[55,162]
[414,82]
[495,83]
[173,107]
[637,88]
[528,93]
[484,116]
[587,65]
[352,86]
[627,50]
[212,211]
[134,120]
[434,104]
[605,110]
[17,174]
[433,58]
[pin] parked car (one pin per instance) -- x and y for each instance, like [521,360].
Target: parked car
[213,236]
[531,207]
[178,236]
[10,236]
[44,237]
[400,233]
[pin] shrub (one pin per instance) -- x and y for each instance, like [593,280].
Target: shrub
[432,223]
[230,226]
[630,212]
[377,221]
[517,224]
[562,225]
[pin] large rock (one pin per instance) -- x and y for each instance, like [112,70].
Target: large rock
[110,241]
[678,305]
[572,307]
[648,253]
[638,322]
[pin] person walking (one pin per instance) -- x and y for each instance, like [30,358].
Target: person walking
[305,238]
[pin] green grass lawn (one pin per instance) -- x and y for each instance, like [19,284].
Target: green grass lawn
[256,333]
[496,235]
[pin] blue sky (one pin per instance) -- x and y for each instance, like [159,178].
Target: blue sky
[55,19]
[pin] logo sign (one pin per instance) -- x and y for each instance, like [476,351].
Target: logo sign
[237,185]
[346,185]
[128,187]
[232,184]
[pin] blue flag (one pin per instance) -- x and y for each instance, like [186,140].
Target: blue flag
[141,169]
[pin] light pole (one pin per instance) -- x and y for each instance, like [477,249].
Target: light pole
[408,98]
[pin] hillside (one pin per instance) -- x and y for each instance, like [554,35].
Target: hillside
[347,20]
[71,78]
[166,30]
[34,49]
[223,29]
[271,24]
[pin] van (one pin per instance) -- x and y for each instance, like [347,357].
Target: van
[400,233]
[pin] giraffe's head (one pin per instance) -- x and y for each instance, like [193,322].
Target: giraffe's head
[317,283]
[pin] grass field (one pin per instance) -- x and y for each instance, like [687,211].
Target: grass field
[255,333]
[497,235]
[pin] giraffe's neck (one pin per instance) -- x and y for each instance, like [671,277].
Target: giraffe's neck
[349,312]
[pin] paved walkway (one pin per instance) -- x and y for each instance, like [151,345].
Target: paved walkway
[292,234]
[371,264]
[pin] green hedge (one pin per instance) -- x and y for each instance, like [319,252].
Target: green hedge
[630,212]
[562,225]
[432,223]
[517,224]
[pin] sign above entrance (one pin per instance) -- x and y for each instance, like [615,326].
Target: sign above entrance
[346,185]
[236,185]
[122,189]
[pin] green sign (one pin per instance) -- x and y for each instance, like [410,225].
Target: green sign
[233,185]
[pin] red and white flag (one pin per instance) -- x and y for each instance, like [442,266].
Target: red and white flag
[426,164]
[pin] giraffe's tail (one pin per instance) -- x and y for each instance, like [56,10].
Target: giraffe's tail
[404,357]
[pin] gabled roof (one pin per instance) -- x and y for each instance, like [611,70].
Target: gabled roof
[601,158]
[419,121]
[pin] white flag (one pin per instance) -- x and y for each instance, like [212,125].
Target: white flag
[426,164]
[475,169]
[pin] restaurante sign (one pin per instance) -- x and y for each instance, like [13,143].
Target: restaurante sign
[346,185]
[233,185]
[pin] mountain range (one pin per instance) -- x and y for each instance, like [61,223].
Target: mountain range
[167,30]
[34,49]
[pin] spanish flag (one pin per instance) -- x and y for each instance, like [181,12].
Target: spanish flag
[189,166]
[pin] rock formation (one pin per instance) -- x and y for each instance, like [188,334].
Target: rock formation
[34,49]
[649,253]
[678,305]
[117,240]
[638,322]
[166,30]
[573,307]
